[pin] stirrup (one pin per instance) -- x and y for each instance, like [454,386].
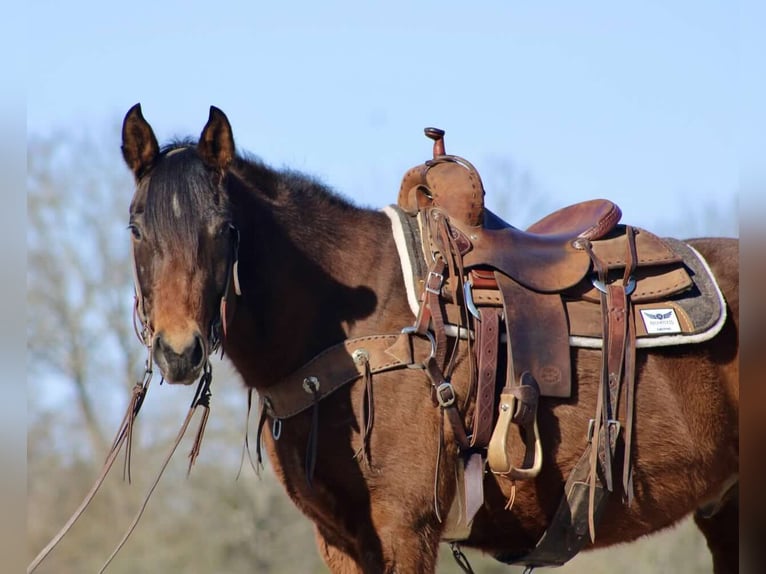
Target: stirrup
[517,405]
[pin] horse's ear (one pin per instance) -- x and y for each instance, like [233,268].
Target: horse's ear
[216,144]
[139,145]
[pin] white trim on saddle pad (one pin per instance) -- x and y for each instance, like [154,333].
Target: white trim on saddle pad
[575,341]
[404,258]
[675,339]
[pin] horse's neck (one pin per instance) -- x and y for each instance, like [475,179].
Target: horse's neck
[311,288]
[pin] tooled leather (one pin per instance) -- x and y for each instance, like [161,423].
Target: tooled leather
[457,189]
[537,328]
[650,248]
[487,343]
[652,283]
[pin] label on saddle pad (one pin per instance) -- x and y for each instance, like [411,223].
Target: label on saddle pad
[659,321]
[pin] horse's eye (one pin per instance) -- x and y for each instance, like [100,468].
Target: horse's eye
[227,229]
[134,229]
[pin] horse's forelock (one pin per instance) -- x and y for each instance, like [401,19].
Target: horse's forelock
[180,198]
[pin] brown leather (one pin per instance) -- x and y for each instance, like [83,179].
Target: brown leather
[487,344]
[457,189]
[652,283]
[545,263]
[552,263]
[408,191]
[335,367]
[539,338]
[448,402]
[651,250]
[585,317]
[589,219]
[447,182]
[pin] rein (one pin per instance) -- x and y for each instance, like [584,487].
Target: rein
[124,434]
[144,332]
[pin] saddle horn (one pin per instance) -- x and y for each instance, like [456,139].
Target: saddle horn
[437,135]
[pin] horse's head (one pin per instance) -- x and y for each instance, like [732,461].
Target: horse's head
[184,241]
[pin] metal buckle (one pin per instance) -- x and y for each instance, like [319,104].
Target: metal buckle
[450,400]
[592,425]
[434,275]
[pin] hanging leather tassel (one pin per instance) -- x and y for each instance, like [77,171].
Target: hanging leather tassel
[367,415]
[201,399]
[246,445]
[311,385]
[258,435]
[197,446]
[630,370]
[126,428]
[601,418]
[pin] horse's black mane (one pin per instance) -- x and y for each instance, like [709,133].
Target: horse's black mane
[182,193]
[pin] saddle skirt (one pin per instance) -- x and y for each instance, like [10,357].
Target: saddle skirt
[677,306]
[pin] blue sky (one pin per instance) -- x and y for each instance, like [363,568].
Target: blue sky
[639,104]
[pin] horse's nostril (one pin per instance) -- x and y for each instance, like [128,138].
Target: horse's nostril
[159,346]
[197,352]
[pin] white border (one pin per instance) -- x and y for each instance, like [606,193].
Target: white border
[404,258]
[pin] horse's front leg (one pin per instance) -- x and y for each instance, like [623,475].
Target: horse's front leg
[408,548]
[339,560]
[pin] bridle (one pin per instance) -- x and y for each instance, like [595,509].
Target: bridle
[218,325]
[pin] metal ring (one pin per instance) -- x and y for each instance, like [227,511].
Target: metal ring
[630,286]
[428,335]
[468,296]
[276,429]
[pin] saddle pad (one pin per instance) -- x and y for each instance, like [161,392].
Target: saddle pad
[691,316]
[699,311]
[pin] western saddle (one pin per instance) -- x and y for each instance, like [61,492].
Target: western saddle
[576,272]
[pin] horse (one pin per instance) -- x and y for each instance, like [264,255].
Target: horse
[278,269]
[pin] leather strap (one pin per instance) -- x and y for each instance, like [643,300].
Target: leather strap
[538,334]
[336,367]
[487,343]
[447,400]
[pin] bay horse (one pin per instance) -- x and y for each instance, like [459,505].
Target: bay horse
[300,270]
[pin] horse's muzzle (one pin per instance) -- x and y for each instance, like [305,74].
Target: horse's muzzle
[179,365]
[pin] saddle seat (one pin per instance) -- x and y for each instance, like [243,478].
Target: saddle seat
[548,256]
